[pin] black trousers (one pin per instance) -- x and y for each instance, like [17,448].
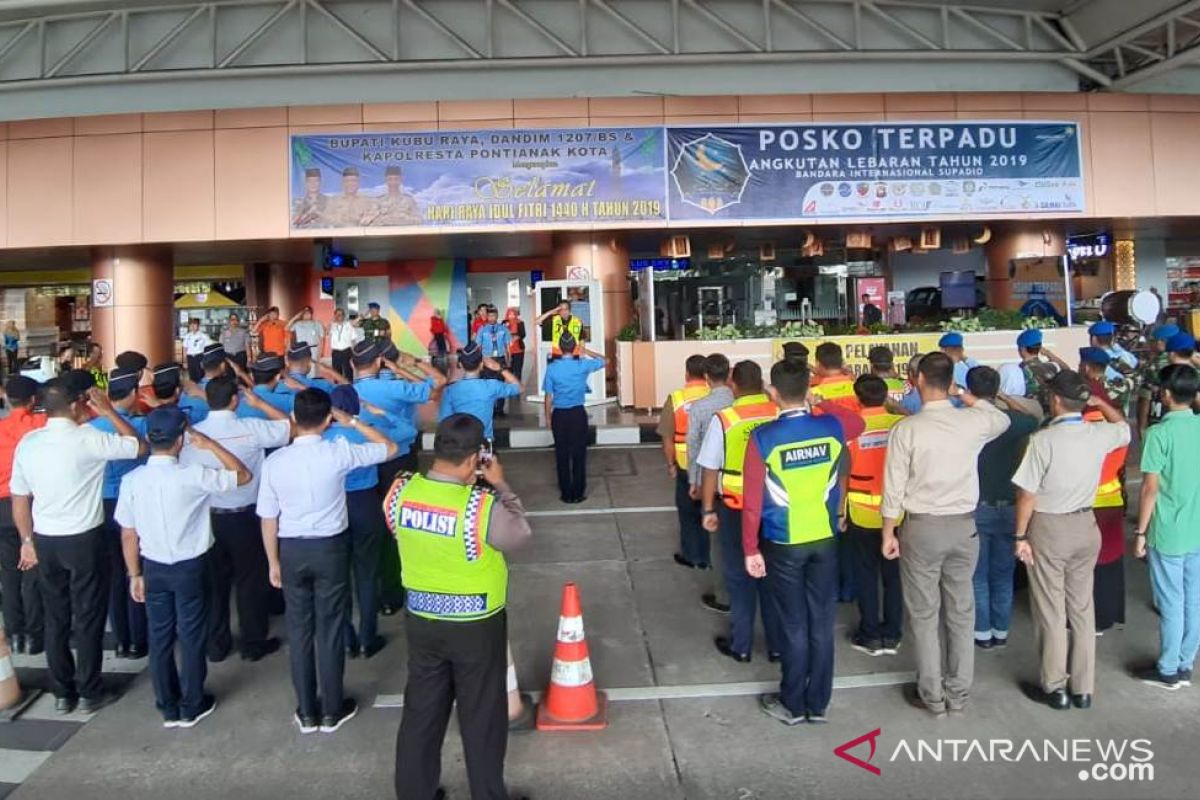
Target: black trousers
[694,541]
[341,363]
[20,600]
[195,368]
[238,562]
[871,571]
[391,590]
[73,576]
[516,364]
[240,359]
[177,598]
[499,376]
[367,534]
[127,618]
[450,662]
[570,429]
[316,590]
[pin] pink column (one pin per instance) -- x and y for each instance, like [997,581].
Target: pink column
[142,315]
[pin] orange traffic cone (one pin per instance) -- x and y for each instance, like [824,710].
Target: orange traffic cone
[572,702]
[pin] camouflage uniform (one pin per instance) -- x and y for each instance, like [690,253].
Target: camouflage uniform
[350,211]
[310,211]
[1151,387]
[1037,375]
[397,209]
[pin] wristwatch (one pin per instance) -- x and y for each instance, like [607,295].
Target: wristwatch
[26,540]
[709,512]
[1023,537]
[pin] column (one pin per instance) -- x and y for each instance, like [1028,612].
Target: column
[606,256]
[290,287]
[142,314]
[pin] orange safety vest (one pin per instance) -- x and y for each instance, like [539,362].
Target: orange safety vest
[864,493]
[737,423]
[1108,493]
[681,401]
[839,389]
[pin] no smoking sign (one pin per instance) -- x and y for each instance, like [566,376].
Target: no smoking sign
[102,293]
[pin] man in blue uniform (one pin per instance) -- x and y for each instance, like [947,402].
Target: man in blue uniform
[399,397]
[300,368]
[265,371]
[494,340]
[172,387]
[565,386]
[476,394]
[127,618]
[212,363]
[366,533]
[951,344]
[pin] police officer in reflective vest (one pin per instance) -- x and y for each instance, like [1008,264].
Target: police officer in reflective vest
[673,427]
[452,535]
[721,456]
[878,633]
[795,477]
[836,382]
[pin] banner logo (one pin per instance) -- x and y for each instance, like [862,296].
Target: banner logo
[843,751]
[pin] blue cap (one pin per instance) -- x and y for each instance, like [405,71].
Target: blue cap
[372,305]
[168,374]
[1094,355]
[1031,337]
[165,424]
[1164,332]
[1181,342]
[345,398]
[214,353]
[364,352]
[267,362]
[1102,328]
[123,378]
[470,356]
[299,352]
[951,339]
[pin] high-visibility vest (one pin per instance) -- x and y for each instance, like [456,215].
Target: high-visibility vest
[864,492]
[1108,492]
[738,422]
[574,327]
[839,389]
[448,569]
[681,401]
[801,495]
[896,388]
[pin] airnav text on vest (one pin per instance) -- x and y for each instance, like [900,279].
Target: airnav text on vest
[805,455]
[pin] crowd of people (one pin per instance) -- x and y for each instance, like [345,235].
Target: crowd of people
[916,497]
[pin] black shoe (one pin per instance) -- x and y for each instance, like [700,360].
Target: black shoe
[999,643]
[985,644]
[1185,677]
[306,724]
[374,646]
[19,643]
[872,647]
[774,658]
[1152,677]
[1059,700]
[260,651]
[90,705]
[352,651]
[217,656]
[1081,700]
[890,647]
[709,601]
[135,653]
[683,562]
[121,651]
[207,707]
[914,699]
[724,649]
[440,794]
[331,722]
[36,648]
[65,705]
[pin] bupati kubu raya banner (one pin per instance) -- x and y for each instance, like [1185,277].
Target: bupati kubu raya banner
[475,178]
[878,170]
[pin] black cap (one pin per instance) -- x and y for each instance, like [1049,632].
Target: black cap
[167,374]
[364,352]
[213,354]
[312,172]
[131,359]
[121,378]
[389,351]
[1070,385]
[345,398]
[165,424]
[299,352]
[20,388]
[78,381]
[392,171]
[566,343]
[470,356]
[348,171]
[267,362]
[880,355]
[795,351]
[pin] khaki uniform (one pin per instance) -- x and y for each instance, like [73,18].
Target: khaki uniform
[397,209]
[350,211]
[310,211]
[1062,468]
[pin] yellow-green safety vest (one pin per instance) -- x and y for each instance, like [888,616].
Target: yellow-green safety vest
[448,569]
[802,494]
[738,422]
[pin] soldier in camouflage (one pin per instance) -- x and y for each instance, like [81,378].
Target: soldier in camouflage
[351,209]
[311,210]
[397,207]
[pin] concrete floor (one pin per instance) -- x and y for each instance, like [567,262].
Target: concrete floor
[646,631]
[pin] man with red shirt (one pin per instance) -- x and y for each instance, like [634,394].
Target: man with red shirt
[22,605]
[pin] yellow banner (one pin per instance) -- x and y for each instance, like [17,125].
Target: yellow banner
[855,348]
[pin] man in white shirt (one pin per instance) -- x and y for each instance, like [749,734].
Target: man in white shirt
[342,335]
[302,503]
[194,342]
[165,535]
[308,331]
[238,561]
[57,478]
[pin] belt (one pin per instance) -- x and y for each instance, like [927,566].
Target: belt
[997,503]
[1084,510]
[241,510]
[917,515]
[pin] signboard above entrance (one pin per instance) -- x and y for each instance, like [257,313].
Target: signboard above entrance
[620,177]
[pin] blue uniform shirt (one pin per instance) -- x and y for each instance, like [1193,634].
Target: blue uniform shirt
[566,379]
[195,409]
[114,471]
[399,399]
[1118,353]
[311,383]
[961,368]
[494,340]
[280,397]
[911,400]
[476,396]
[361,477]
